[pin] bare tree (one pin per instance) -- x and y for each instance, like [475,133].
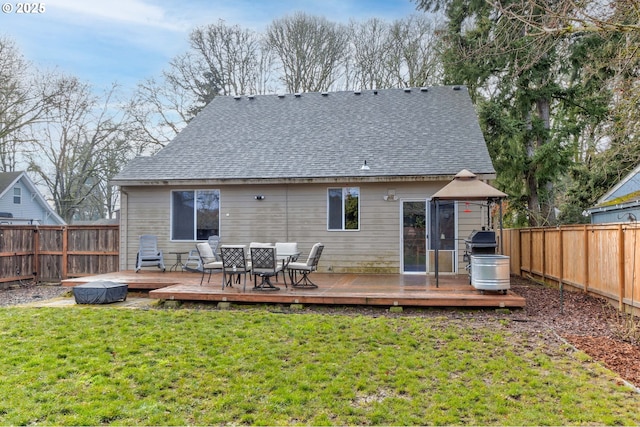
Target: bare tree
[232,55]
[413,57]
[370,49]
[310,51]
[23,97]
[563,17]
[81,146]
[159,109]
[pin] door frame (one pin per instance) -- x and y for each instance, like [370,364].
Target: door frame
[427,248]
[426,202]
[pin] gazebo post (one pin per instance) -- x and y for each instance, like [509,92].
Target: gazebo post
[501,234]
[437,240]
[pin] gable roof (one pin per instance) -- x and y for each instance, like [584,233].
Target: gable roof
[9,179]
[398,132]
[625,193]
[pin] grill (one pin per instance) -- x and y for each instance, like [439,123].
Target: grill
[481,242]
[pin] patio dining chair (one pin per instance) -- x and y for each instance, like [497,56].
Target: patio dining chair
[148,254]
[287,252]
[207,260]
[234,264]
[194,263]
[305,268]
[264,263]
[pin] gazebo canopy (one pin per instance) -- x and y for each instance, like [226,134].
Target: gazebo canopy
[467,186]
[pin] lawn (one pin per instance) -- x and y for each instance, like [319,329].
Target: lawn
[91,366]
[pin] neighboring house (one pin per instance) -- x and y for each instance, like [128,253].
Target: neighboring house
[621,203]
[353,170]
[22,203]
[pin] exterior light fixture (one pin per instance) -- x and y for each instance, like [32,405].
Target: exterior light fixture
[259,197]
[391,195]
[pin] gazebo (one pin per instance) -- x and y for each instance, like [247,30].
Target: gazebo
[466,186]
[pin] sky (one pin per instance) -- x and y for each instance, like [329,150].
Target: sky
[127,41]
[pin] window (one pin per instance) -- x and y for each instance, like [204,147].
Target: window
[17,195]
[344,208]
[195,215]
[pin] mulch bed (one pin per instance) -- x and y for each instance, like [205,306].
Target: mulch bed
[589,323]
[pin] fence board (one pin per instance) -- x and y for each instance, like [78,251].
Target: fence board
[599,258]
[52,253]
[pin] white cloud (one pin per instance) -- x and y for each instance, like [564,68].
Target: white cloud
[122,12]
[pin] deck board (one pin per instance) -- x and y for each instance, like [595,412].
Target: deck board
[333,289]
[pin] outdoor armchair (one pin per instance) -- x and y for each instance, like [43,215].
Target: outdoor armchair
[149,255]
[194,263]
[207,260]
[305,268]
[264,263]
[234,264]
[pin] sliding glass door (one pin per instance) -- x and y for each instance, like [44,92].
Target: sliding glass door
[414,236]
[420,237]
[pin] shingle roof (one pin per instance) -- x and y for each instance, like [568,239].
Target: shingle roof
[7,179]
[399,132]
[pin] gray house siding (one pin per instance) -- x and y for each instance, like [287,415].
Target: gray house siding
[290,212]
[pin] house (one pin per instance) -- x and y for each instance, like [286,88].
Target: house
[621,203]
[22,203]
[354,170]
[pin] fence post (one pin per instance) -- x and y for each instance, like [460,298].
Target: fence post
[544,255]
[586,259]
[621,284]
[561,275]
[36,254]
[65,256]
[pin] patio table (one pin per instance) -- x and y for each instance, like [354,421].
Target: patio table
[286,258]
[178,263]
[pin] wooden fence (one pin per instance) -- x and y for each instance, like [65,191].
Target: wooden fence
[603,259]
[53,253]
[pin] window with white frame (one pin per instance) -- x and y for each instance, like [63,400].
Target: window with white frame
[195,214]
[17,195]
[343,208]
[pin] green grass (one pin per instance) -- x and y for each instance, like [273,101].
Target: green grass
[88,366]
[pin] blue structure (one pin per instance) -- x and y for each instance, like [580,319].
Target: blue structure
[21,202]
[621,203]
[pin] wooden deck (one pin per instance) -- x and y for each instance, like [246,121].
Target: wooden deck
[333,289]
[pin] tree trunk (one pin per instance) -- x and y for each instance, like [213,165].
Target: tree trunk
[547,207]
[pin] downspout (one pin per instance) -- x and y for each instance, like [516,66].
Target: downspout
[124,231]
